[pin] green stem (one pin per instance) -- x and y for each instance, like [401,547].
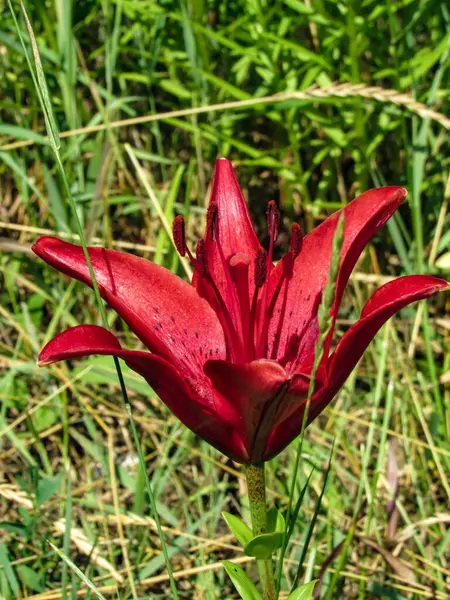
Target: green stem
[256,487]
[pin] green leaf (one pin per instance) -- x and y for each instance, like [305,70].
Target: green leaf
[47,487]
[336,135]
[313,520]
[304,592]
[275,521]
[15,528]
[174,87]
[45,417]
[30,578]
[22,133]
[241,581]
[264,545]
[242,531]
[9,570]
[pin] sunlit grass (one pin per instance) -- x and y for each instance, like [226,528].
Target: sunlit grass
[112,69]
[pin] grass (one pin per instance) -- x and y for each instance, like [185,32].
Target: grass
[128,75]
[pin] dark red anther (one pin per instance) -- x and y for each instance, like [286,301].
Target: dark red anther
[296,239]
[179,235]
[273,219]
[211,220]
[200,263]
[260,267]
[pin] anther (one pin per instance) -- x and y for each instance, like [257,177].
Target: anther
[273,219]
[296,239]
[200,263]
[179,235]
[211,220]
[260,268]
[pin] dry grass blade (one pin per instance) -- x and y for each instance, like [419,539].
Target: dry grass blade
[151,194]
[405,572]
[313,93]
[84,546]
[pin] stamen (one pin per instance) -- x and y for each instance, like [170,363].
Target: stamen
[200,262]
[273,220]
[296,239]
[211,221]
[260,268]
[179,235]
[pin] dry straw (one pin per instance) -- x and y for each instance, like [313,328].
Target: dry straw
[313,93]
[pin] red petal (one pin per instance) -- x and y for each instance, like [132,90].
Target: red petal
[76,342]
[253,392]
[296,307]
[385,302]
[235,229]
[189,402]
[164,311]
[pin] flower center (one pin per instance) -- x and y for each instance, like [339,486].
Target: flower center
[239,288]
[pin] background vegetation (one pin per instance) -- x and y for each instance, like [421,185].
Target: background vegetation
[68,467]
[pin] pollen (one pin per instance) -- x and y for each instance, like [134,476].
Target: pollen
[179,235]
[201,263]
[211,220]
[260,268]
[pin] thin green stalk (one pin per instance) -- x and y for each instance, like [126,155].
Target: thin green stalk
[256,487]
[67,525]
[119,374]
[325,321]
[439,401]
[354,53]
[53,134]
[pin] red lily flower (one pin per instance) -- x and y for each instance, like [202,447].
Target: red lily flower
[231,354]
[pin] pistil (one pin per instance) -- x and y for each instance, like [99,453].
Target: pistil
[213,232]
[268,306]
[273,226]
[239,266]
[245,324]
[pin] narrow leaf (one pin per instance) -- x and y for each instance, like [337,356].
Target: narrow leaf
[304,592]
[8,570]
[313,520]
[242,531]
[275,521]
[48,112]
[264,545]
[241,581]
[298,505]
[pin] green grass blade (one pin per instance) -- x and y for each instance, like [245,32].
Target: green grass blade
[77,571]
[312,523]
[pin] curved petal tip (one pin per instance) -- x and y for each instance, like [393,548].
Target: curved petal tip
[40,244]
[79,341]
